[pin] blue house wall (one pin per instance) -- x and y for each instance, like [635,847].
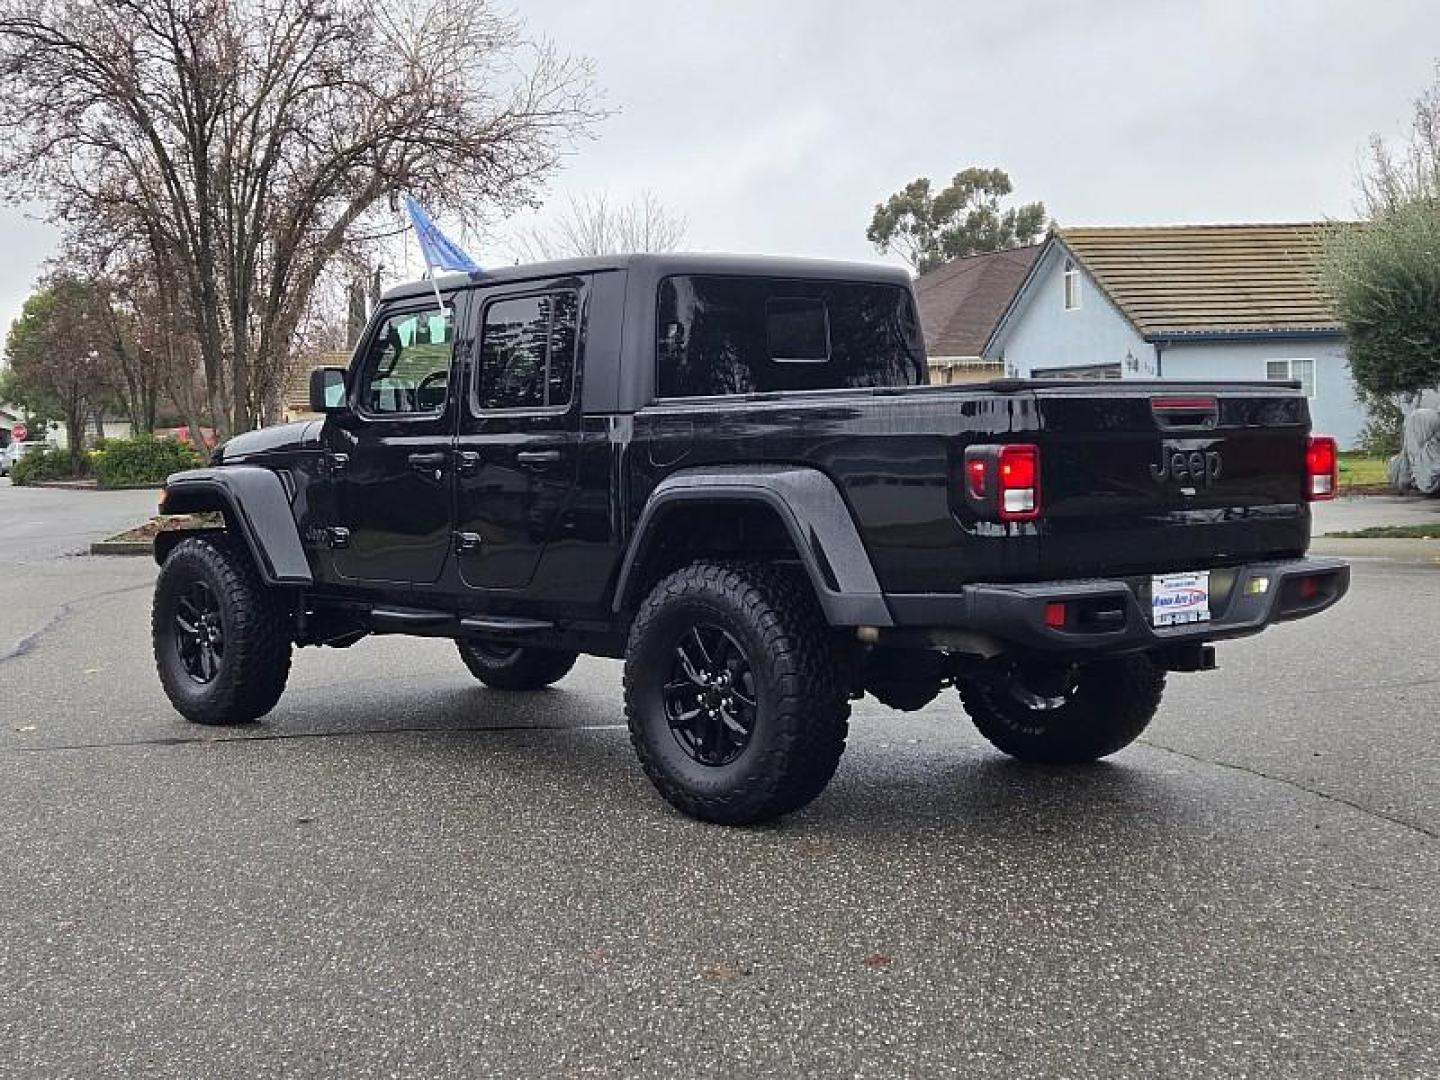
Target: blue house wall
[1040,334]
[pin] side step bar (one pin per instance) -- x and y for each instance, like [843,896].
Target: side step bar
[425,622]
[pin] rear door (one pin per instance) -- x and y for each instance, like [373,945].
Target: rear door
[518,449]
[1173,478]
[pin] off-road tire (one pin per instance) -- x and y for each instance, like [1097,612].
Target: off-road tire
[257,631]
[1112,703]
[515,667]
[801,714]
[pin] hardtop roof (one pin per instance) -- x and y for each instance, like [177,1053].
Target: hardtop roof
[658,266]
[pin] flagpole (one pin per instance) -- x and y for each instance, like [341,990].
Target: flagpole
[430,270]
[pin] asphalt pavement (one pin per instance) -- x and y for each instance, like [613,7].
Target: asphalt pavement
[401,873]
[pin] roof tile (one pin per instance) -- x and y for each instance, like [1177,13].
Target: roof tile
[1194,279]
[961,302]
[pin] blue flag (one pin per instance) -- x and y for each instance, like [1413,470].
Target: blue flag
[441,253]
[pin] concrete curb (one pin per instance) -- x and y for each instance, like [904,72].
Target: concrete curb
[91,485]
[121,547]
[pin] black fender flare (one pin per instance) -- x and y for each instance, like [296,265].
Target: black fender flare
[813,512]
[254,502]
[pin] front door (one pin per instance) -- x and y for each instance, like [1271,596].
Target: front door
[518,450]
[389,454]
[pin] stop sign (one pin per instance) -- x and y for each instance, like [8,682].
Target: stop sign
[19,432]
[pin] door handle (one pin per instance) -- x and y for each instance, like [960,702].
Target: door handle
[427,462]
[467,462]
[537,457]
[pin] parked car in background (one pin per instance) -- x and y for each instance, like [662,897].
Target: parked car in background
[12,451]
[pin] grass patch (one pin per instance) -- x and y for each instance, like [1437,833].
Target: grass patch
[1358,472]
[1392,532]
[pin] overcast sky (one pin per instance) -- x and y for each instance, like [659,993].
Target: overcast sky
[776,126]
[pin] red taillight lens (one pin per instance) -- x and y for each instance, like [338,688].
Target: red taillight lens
[1019,492]
[1322,468]
[1055,615]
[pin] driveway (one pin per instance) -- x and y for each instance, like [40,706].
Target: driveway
[400,873]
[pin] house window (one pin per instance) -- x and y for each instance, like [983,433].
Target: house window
[1301,371]
[1072,286]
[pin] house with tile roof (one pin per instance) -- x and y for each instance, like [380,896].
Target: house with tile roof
[960,304]
[1200,302]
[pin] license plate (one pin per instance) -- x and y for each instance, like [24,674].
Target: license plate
[1176,599]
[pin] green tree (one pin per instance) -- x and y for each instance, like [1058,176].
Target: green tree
[927,229]
[57,353]
[1384,273]
[1385,277]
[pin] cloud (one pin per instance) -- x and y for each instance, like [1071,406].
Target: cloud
[776,127]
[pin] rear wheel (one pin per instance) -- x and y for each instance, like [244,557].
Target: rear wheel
[1065,715]
[221,636]
[733,693]
[515,667]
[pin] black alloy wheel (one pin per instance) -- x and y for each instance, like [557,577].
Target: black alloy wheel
[222,637]
[735,691]
[710,697]
[199,632]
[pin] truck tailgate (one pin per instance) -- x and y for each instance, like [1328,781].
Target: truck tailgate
[1170,479]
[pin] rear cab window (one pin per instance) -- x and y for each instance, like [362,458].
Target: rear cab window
[744,335]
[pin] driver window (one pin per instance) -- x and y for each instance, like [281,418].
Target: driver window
[407,369]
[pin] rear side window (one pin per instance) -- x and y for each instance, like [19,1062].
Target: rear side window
[527,352]
[742,335]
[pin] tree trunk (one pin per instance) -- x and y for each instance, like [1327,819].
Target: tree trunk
[75,437]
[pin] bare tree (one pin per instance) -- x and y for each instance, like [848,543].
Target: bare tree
[253,140]
[592,225]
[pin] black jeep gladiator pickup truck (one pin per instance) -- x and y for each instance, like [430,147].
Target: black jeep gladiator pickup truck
[731,472]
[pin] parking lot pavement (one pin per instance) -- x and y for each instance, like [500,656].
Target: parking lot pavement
[1367,511]
[402,873]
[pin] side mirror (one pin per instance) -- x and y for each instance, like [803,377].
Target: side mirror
[327,390]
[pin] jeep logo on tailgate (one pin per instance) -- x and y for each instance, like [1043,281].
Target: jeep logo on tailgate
[1189,467]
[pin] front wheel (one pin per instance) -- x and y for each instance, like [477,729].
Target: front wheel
[222,638]
[1065,715]
[733,693]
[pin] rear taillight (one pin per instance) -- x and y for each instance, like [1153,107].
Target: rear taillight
[1002,482]
[1019,482]
[1322,468]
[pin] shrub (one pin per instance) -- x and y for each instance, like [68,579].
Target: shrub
[142,461]
[37,466]
[1384,421]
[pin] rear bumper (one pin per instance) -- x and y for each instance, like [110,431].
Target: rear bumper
[1109,616]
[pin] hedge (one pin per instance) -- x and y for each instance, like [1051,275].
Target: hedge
[142,461]
[37,466]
